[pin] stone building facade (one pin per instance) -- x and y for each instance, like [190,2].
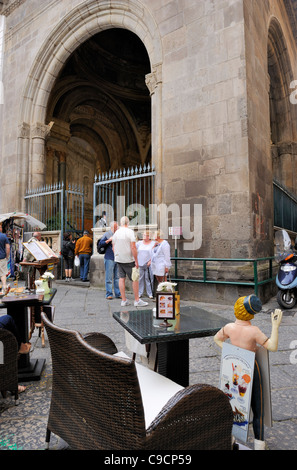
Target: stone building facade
[202,89]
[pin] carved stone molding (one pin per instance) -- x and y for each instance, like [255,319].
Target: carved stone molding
[8,6]
[286,148]
[40,131]
[154,78]
[24,131]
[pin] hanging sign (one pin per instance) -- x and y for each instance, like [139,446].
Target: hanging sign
[175,231]
[236,380]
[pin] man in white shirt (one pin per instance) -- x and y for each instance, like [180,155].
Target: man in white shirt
[125,255]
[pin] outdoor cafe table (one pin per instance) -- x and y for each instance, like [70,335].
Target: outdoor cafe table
[172,342]
[28,369]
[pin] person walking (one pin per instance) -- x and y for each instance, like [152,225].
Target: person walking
[125,255]
[83,249]
[111,267]
[4,257]
[144,250]
[68,247]
[161,262]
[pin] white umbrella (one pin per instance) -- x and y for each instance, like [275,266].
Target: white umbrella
[21,215]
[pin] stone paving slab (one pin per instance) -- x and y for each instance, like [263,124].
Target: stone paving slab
[85,309]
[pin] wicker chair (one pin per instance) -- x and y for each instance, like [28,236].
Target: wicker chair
[97,405]
[9,367]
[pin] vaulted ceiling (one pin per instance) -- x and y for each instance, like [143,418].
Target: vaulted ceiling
[102,96]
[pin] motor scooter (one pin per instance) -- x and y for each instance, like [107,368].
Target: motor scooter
[286,279]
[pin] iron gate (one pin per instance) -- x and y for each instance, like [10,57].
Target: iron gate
[58,208]
[121,191]
[285,208]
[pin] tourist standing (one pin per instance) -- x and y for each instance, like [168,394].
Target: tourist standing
[161,262]
[111,267]
[83,249]
[144,250]
[68,246]
[125,255]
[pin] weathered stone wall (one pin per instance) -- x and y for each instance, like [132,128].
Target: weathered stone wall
[210,104]
[261,18]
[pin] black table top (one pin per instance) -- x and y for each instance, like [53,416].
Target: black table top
[29,298]
[192,322]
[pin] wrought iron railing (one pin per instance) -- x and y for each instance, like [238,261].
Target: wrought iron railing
[205,279]
[57,207]
[285,207]
[124,192]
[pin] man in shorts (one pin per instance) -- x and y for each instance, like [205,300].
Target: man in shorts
[125,255]
[4,257]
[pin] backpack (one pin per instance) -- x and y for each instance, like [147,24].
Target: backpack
[65,249]
[102,249]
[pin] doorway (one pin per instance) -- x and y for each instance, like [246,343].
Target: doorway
[101,109]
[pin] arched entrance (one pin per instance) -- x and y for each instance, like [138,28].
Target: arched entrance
[59,109]
[101,110]
[282,122]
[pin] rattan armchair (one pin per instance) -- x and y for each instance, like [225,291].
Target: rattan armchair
[8,364]
[97,404]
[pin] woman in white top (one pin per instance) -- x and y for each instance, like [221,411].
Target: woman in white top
[161,262]
[144,255]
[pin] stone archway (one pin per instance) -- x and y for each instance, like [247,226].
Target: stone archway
[283,147]
[76,27]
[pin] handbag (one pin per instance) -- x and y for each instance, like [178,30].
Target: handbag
[76,261]
[135,274]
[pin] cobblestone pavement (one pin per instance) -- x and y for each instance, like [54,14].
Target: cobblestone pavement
[85,309]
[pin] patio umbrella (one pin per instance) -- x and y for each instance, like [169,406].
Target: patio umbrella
[21,215]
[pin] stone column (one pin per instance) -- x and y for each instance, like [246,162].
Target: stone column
[62,167]
[154,83]
[23,146]
[39,133]
[286,164]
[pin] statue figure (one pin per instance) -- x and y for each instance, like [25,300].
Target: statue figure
[244,335]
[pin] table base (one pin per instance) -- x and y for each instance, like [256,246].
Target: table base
[173,361]
[32,372]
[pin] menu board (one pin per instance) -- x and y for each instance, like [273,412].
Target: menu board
[165,308]
[40,250]
[236,381]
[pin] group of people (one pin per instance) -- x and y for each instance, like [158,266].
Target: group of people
[82,248]
[124,253]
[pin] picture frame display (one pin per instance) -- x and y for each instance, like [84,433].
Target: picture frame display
[165,308]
